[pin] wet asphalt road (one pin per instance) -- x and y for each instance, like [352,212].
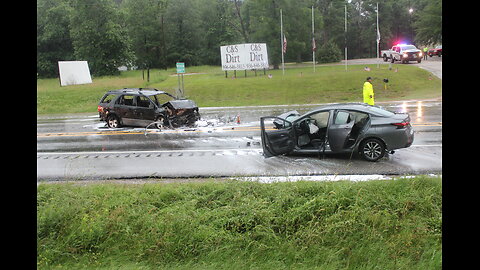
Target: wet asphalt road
[432,64]
[80,147]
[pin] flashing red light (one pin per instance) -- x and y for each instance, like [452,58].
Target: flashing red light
[401,42]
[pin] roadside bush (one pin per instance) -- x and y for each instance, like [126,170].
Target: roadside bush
[329,53]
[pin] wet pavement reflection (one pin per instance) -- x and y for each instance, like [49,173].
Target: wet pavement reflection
[226,142]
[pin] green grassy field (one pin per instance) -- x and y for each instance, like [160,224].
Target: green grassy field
[394,224]
[299,85]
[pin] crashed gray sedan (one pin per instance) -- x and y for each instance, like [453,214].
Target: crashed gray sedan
[368,130]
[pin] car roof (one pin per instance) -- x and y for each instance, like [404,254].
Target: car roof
[355,106]
[144,91]
[347,106]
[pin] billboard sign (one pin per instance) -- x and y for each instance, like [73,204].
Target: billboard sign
[244,56]
[74,72]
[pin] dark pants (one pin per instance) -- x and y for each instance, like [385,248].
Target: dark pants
[425,54]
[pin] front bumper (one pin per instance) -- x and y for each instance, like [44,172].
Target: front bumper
[412,56]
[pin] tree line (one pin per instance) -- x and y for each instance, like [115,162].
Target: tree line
[158,33]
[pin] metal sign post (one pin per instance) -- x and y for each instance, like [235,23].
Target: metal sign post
[181,87]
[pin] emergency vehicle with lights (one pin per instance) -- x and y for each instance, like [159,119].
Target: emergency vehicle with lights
[402,52]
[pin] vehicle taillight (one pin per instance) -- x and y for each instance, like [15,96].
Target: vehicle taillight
[99,108]
[401,125]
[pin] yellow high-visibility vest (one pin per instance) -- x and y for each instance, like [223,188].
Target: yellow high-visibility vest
[367,92]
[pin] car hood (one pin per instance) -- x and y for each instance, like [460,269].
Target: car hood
[183,104]
[291,115]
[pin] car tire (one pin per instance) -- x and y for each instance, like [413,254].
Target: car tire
[113,121]
[393,59]
[419,61]
[372,149]
[385,59]
[160,122]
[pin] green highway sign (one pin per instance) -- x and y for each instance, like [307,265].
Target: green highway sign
[180,67]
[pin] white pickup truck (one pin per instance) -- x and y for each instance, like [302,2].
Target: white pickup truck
[402,53]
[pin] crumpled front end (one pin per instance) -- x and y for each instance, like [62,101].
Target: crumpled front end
[182,112]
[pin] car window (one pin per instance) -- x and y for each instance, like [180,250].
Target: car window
[409,47]
[126,100]
[359,116]
[342,118]
[143,101]
[108,98]
[161,99]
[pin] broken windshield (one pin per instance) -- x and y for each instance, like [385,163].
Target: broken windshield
[161,99]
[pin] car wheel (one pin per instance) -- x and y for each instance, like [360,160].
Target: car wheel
[393,59]
[419,60]
[372,149]
[160,122]
[385,59]
[113,121]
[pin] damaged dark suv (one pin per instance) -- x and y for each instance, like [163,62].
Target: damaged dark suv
[145,107]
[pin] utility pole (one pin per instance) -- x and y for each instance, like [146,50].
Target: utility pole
[346,59]
[313,41]
[282,41]
[378,41]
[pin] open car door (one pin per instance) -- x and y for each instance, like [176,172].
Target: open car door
[340,129]
[277,134]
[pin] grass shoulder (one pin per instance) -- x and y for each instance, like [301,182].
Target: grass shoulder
[394,224]
[209,86]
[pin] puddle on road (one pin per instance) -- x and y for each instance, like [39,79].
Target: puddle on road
[217,124]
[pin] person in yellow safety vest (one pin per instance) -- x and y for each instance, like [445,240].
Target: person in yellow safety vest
[425,52]
[368,96]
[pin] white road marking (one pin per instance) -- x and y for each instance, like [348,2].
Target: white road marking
[151,151]
[227,150]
